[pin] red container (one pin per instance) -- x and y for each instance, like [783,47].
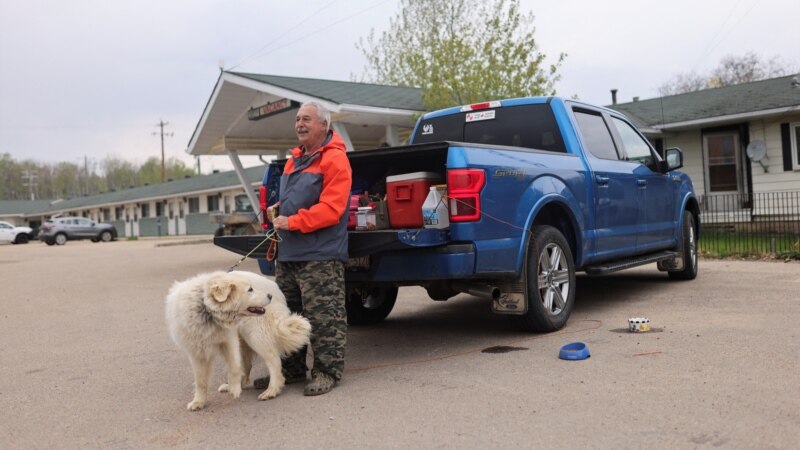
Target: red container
[405,195]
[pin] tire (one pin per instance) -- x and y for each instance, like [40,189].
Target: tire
[549,280]
[21,239]
[688,250]
[106,236]
[60,239]
[50,242]
[369,305]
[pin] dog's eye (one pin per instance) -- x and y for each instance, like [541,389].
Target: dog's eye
[269,296]
[251,289]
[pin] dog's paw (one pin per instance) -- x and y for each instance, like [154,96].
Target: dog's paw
[195,405]
[270,393]
[236,391]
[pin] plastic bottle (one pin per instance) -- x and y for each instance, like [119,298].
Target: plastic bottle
[434,208]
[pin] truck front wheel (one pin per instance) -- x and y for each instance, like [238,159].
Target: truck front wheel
[550,281]
[688,250]
[367,305]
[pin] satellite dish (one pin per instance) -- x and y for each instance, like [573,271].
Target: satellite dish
[756,150]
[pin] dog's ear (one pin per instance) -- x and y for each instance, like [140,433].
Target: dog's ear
[221,289]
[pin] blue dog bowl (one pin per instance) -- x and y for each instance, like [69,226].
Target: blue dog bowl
[574,351]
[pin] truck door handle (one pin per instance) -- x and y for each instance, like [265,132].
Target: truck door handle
[602,181]
[641,182]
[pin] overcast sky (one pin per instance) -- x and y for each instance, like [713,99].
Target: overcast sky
[86,79]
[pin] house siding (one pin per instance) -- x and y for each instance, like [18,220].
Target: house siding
[776,179]
[691,143]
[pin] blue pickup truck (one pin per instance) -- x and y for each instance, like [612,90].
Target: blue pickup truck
[538,189]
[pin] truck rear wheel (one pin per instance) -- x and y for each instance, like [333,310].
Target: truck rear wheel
[367,305]
[550,281]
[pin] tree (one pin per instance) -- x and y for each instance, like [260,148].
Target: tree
[460,51]
[731,70]
[150,172]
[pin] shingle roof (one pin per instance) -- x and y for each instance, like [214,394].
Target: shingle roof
[708,103]
[345,92]
[185,186]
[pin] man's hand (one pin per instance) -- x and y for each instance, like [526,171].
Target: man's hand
[281,223]
[272,212]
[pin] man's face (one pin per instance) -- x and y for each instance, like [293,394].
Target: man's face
[311,130]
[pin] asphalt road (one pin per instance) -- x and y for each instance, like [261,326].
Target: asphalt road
[86,362]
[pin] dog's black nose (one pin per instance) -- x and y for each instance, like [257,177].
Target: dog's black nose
[269,296]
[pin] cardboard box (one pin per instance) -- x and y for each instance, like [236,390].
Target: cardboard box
[405,195]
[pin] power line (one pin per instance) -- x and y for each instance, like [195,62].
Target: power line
[281,36]
[320,30]
[712,45]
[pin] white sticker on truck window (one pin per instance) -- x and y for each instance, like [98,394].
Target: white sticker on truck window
[427,129]
[480,115]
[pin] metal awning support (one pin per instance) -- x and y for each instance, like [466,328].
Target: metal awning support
[339,128]
[239,169]
[392,135]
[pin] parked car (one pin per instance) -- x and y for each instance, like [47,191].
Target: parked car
[60,230]
[15,235]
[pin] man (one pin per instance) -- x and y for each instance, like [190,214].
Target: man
[312,225]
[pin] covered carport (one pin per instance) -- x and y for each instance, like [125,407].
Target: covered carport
[252,114]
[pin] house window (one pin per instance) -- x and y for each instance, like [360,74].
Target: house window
[722,156]
[145,211]
[194,205]
[795,133]
[213,202]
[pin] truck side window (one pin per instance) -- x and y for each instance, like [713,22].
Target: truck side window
[636,147]
[596,136]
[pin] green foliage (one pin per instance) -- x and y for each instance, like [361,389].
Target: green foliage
[66,179]
[461,51]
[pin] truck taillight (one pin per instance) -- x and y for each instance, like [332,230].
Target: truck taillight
[262,205]
[464,189]
[480,106]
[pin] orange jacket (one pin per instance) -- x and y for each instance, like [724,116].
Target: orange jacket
[315,196]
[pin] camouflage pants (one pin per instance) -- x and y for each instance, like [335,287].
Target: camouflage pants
[315,289]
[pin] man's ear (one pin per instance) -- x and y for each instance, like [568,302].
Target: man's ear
[221,289]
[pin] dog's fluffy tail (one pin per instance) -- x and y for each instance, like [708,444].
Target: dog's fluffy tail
[294,332]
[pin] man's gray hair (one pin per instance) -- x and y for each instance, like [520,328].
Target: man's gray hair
[322,113]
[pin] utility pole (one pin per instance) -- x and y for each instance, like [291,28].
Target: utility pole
[30,176]
[161,124]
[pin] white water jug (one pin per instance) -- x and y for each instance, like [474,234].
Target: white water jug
[434,208]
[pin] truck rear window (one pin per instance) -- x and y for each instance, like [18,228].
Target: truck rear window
[529,126]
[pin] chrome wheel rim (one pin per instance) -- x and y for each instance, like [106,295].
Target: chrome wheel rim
[553,279]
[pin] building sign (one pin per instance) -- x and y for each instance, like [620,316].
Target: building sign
[270,109]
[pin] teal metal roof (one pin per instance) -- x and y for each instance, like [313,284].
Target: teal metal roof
[346,92]
[22,207]
[185,186]
[746,98]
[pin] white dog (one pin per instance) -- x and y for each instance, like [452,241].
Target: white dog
[209,313]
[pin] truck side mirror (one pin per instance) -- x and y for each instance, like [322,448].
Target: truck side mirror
[673,158]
